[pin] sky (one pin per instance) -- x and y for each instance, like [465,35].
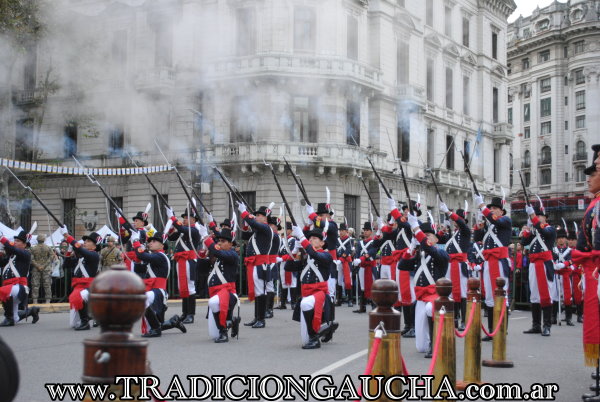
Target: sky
[526,7]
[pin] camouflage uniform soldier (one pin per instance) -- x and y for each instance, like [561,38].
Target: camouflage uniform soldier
[42,258]
[110,255]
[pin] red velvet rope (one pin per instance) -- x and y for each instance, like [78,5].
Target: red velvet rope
[371,361]
[438,343]
[499,322]
[469,322]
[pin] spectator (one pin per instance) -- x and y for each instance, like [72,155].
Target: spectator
[110,255]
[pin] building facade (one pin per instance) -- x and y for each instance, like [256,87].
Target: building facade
[326,85]
[553,95]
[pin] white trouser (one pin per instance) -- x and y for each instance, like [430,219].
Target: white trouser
[463,281]
[489,289]
[74,319]
[331,284]
[385,272]
[14,293]
[361,278]
[307,303]
[190,283]
[534,294]
[341,278]
[422,311]
[260,286]
[213,306]
[282,277]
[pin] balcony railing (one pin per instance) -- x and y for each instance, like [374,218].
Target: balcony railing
[525,165]
[580,157]
[26,97]
[544,161]
[155,78]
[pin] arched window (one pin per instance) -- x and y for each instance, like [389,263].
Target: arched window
[526,159]
[546,155]
[580,147]
[545,177]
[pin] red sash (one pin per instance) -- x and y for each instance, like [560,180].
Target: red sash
[404,285]
[78,284]
[318,290]
[455,260]
[182,258]
[8,284]
[155,283]
[540,274]
[566,278]
[130,259]
[493,257]
[250,263]
[223,292]
[368,266]
[346,270]
[577,294]
[426,293]
[392,261]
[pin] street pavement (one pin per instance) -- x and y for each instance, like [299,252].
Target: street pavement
[51,352]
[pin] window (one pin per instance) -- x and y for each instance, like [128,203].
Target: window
[566,81]
[69,214]
[304,119]
[566,150]
[580,100]
[352,123]
[243,124]
[116,141]
[402,66]
[467,150]
[580,148]
[494,45]
[527,133]
[24,140]
[566,125]
[580,121]
[466,87]
[527,178]
[544,56]
[159,214]
[545,177]
[351,208]
[449,152]
[545,107]
[352,35]
[509,98]
[578,47]
[566,176]
[496,165]
[465,31]
[526,159]
[430,80]
[429,13]
[565,52]
[495,105]
[30,68]
[546,128]
[70,139]
[579,175]
[566,101]
[113,218]
[526,112]
[579,77]
[545,85]
[526,33]
[510,117]
[246,31]
[448,21]
[526,90]
[525,64]
[404,139]
[304,29]
[430,148]
[449,90]
[542,25]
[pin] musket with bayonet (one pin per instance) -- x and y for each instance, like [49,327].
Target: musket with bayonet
[298,182]
[287,206]
[231,188]
[524,189]
[370,198]
[37,198]
[387,193]
[468,170]
[404,182]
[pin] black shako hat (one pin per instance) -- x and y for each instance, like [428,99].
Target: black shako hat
[225,234]
[413,204]
[315,233]
[288,226]
[496,202]
[185,213]
[426,228]
[591,169]
[561,233]
[263,211]
[572,236]
[461,212]
[94,237]
[141,216]
[367,226]
[22,236]
[226,223]
[158,236]
[343,226]
[323,208]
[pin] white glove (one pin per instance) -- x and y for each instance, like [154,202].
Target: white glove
[413,221]
[477,268]
[241,207]
[135,236]
[379,223]
[278,259]
[414,243]
[202,230]
[444,208]
[559,265]
[117,214]
[170,212]
[529,209]
[356,262]
[478,200]
[309,209]
[63,230]
[297,232]
[209,218]
[391,204]
[297,247]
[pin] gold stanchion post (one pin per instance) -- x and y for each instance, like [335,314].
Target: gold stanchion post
[472,348]
[445,364]
[499,342]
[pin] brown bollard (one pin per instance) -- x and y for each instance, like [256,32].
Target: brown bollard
[472,347]
[446,361]
[499,342]
[389,358]
[117,300]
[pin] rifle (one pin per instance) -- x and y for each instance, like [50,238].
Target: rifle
[36,197]
[410,208]
[379,178]
[287,206]
[437,190]
[159,195]
[468,170]
[524,189]
[298,183]
[370,198]
[233,191]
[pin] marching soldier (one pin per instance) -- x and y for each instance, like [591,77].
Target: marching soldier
[274,224]
[430,264]
[316,322]
[155,278]
[564,269]
[88,263]
[16,264]
[110,255]
[187,241]
[457,246]
[221,285]
[365,263]
[344,254]
[541,270]
[288,279]
[140,220]
[497,231]
[576,277]
[42,258]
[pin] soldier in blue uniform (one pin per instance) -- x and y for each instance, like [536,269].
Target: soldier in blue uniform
[564,269]
[126,230]
[275,225]
[344,254]
[288,280]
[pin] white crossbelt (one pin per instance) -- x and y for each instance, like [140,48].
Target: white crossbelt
[342,244]
[478,251]
[563,255]
[217,271]
[402,233]
[490,233]
[539,239]
[11,266]
[423,270]
[150,271]
[364,247]
[81,268]
[310,265]
[388,243]
[455,243]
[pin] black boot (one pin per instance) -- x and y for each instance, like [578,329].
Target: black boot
[154,331]
[269,305]
[349,296]
[326,332]
[536,319]
[282,299]
[84,318]
[174,322]
[554,311]
[429,353]
[30,312]
[222,330]
[580,313]
[569,315]
[490,319]
[409,318]
[294,297]
[251,323]
[184,308]
[313,340]
[362,306]
[261,302]
[338,296]
[235,326]
[191,310]
[8,310]
[547,320]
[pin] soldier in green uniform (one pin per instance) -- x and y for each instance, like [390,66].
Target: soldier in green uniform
[110,255]
[42,258]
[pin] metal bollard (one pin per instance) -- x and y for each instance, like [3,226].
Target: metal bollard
[499,342]
[389,359]
[446,362]
[472,371]
[117,301]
